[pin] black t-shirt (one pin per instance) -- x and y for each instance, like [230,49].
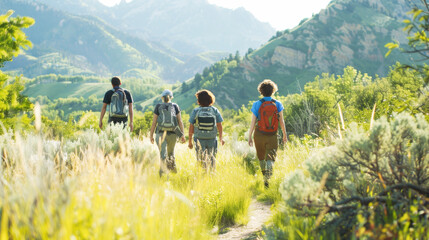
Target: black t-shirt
[176,108]
[108,96]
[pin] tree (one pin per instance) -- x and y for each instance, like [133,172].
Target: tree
[418,41]
[12,38]
[237,57]
[198,78]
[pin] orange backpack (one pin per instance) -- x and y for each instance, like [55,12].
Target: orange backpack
[268,121]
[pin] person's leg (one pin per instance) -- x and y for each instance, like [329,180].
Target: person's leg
[259,141]
[209,147]
[198,151]
[124,124]
[271,151]
[212,151]
[115,121]
[171,143]
[201,147]
[205,156]
[161,142]
[266,152]
[267,170]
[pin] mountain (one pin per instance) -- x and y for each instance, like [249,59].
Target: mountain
[346,33]
[70,37]
[68,44]
[189,26]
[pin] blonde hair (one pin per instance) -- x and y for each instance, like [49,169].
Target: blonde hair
[166,98]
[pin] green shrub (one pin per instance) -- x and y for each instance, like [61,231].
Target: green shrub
[367,180]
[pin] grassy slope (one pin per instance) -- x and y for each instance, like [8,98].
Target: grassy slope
[67,90]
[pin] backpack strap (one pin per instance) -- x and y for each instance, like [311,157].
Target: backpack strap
[196,115]
[196,118]
[272,100]
[121,90]
[170,108]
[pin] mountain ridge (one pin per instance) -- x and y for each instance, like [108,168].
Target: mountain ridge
[69,44]
[190,26]
[346,33]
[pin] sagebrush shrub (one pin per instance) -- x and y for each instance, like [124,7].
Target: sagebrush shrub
[388,164]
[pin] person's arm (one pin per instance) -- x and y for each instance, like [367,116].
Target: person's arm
[252,129]
[179,119]
[191,133]
[103,111]
[283,127]
[220,130]
[131,113]
[152,128]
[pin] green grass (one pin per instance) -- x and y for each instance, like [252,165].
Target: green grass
[97,187]
[67,90]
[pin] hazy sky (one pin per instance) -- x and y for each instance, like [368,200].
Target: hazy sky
[281,14]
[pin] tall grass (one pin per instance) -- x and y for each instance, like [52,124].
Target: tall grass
[106,186]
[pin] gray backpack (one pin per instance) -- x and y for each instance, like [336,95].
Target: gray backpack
[205,123]
[118,104]
[167,119]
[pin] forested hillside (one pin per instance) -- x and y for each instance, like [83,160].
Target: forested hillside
[346,33]
[69,44]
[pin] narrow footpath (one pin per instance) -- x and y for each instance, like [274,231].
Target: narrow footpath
[259,214]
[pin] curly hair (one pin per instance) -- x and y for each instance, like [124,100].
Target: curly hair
[267,88]
[205,98]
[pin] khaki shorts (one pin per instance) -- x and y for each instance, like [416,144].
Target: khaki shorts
[266,146]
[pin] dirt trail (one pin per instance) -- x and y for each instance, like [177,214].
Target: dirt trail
[259,213]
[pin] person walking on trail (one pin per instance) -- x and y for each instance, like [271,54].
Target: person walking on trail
[120,104]
[206,122]
[267,114]
[169,126]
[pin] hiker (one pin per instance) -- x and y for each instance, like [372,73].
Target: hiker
[120,104]
[169,126]
[267,114]
[205,121]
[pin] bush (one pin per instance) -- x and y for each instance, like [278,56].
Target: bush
[368,180]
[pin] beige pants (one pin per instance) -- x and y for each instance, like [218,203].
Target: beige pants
[166,143]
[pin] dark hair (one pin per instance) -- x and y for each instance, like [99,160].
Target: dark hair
[116,81]
[267,88]
[205,98]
